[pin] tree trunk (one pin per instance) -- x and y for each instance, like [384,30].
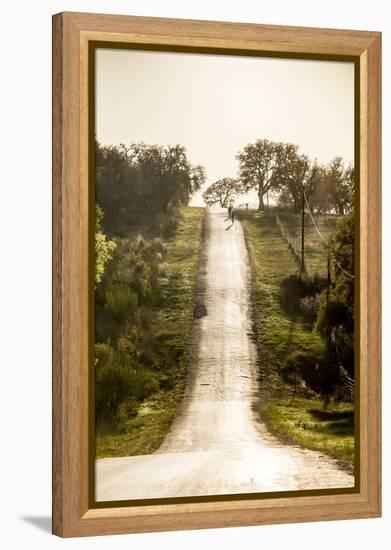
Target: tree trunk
[261,205]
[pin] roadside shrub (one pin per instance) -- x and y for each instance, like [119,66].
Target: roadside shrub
[104,247]
[122,378]
[113,386]
[106,326]
[126,349]
[122,301]
[314,370]
[117,385]
[138,264]
[128,409]
[336,314]
[301,295]
[168,222]
[166,382]
[309,305]
[103,354]
[140,285]
[146,384]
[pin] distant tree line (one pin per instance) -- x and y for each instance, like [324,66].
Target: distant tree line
[280,171]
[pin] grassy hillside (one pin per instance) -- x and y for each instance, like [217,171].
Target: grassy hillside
[315,251]
[172,321]
[295,415]
[277,331]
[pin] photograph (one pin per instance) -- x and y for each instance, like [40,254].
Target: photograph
[225,218]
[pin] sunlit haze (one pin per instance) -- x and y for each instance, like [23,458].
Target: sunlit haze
[215,105]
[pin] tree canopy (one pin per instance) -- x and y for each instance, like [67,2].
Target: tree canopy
[260,163]
[281,170]
[223,192]
[142,180]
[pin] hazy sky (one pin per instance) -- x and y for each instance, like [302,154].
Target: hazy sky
[215,105]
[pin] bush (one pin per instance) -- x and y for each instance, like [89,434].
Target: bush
[104,247]
[168,222]
[121,378]
[166,382]
[113,386]
[119,388]
[315,370]
[106,327]
[103,354]
[309,306]
[128,409]
[138,264]
[122,301]
[301,295]
[146,384]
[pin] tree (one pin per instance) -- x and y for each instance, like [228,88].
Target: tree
[116,184]
[348,194]
[318,190]
[104,248]
[262,165]
[293,174]
[139,181]
[223,192]
[340,181]
[315,370]
[166,177]
[336,313]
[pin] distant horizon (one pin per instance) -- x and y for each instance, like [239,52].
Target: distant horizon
[251,197]
[214,105]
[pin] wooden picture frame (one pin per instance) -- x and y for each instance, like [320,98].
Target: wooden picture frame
[73,512]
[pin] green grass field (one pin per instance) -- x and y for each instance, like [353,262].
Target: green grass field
[143,433]
[298,418]
[304,421]
[277,332]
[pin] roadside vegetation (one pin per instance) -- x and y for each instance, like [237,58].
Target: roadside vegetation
[303,319]
[316,253]
[146,267]
[303,397]
[304,421]
[147,249]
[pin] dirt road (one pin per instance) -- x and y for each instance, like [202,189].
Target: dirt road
[216,444]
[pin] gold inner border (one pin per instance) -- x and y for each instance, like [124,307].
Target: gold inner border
[93,45]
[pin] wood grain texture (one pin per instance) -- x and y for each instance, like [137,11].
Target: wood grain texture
[371,180]
[223,35]
[57,436]
[72,515]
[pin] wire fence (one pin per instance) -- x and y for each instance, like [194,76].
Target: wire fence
[294,242]
[347,383]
